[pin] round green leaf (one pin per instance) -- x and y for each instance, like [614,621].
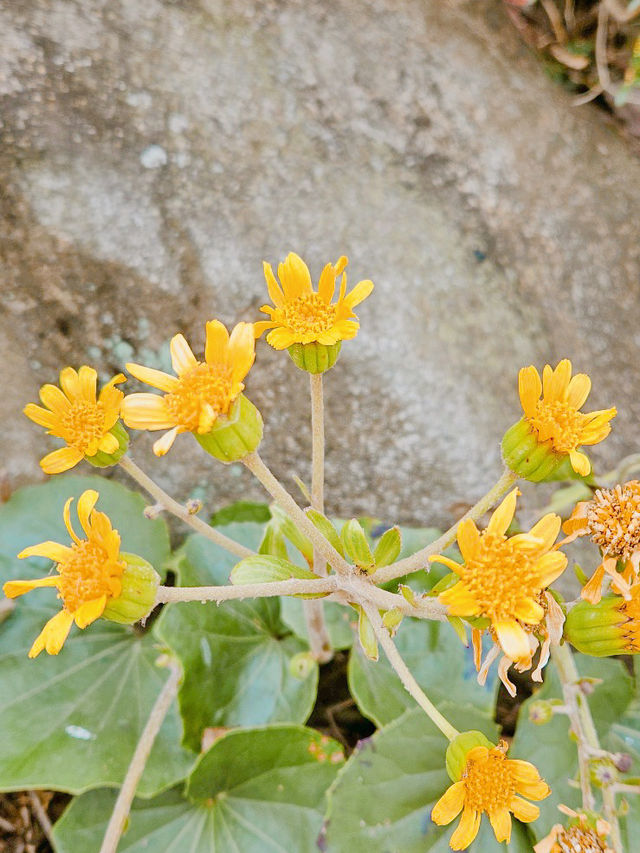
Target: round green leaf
[254,791]
[236,656]
[439,662]
[382,799]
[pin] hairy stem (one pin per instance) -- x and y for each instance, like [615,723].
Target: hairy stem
[172,506]
[405,676]
[294,586]
[585,731]
[420,559]
[282,497]
[140,756]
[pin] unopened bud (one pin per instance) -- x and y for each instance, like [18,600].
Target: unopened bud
[602,772]
[540,712]
[193,506]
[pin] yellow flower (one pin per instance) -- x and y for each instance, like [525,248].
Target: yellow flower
[502,576]
[490,783]
[89,573]
[551,407]
[612,520]
[75,415]
[302,315]
[201,392]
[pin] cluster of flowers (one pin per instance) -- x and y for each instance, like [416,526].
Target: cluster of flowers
[500,586]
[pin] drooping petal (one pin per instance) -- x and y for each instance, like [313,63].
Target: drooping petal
[40,416]
[275,294]
[524,811]
[61,460]
[501,824]
[466,830]
[512,637]
[592,590]
[90,611]
[242,350]
[66,515]
[358,294]
[163,445]
[503,515]
[155,378]
[53,634]
[146,411]
[12,589]
[476,641]
[580,463]
[86,503]
[182,358]
[503,675]
[529,389]
[449,805]
[262,326]
[578,390]
[52,550]
[217,343]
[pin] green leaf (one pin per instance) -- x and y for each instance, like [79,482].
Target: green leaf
[290,531]
[254,791]
[356,545]
[338,618]
[549,747]
[366,635]
[264,568]
[273,542]
[388,548]
[236,657]
[437,659]
[71,721]
[327,529]
[241,511]
[382,799]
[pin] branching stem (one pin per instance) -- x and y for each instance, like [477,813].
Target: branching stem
[257,590]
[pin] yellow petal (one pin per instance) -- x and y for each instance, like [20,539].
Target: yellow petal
[468,538]
[528,611]
[467,829]
[547,530]
[327,283]
[449,805]
[548,843]
[146,411]
[524,811]
[70,383]
[523,771]
[550,566]
[275,294]
[163,445]
[242,350]
[12,589]
[281,338]
[86,503]
[580,463]
[592,590]
[66,514]
[108,443]
[578,390]
[217,343]
[52,550]
[294,276]
[358,294]
[501,824]
[53,634]
[53,398]
[503,515]
[262,326]
[182,359]
[535,790]
[155,378]
[40,416]
[512,638]
[446,561]
[60,460]
[90,611]
[559,381]
[341,264]
[87,382]
[529,389]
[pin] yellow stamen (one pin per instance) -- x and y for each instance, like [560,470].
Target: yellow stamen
[613,520]
[87,574]
[489,783]
[559,422]
[205,387]
[309,313]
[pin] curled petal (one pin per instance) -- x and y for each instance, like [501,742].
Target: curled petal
[53,634]
[61,460]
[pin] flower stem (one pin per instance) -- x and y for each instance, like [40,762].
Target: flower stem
[319,640]
[294,586]
[585,731]
[172,506]
[419,560]
[254,463]
[135,770]
[403,673]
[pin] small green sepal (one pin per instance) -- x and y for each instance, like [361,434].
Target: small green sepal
[235,435]
[597,629]
[327,529]
[366,634]
[388,548]
[314,357]
[356,545]
[457,750]
[106,460]
[137,597]
[527,457]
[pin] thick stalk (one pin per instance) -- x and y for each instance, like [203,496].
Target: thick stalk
[255,590]
[585,731]
[172,506]
[420,559]
[403,673]
[282,497]
[319,640]
[140,756]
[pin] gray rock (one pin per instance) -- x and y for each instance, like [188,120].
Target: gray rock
[155,152]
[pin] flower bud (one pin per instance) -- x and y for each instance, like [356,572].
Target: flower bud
[602,772]
[105,460]
[540,712]
[456,756]
[598,629]
[314,357]
[526,456]
[137,597]
[235,435]
[302,665]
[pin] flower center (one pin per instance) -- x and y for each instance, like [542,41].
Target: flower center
[203,394]
[577,840]
[488,784]
[500,575]
[83,423]
[309,313]
[87,574]
[560,423]
[613,520]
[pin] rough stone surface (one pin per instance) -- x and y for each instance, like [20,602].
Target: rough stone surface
[153,153]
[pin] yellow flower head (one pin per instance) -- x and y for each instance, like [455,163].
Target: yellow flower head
[501,576]
[490,782]
[75,415]
[551,407]
[89,573]
[201,392]
[585,833]
[612,520]
[302,315]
